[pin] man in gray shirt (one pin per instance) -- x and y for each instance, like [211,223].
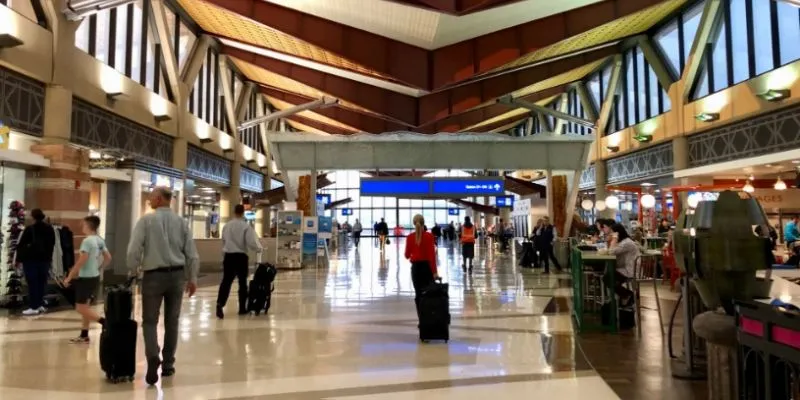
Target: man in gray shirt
[238,237]
[162,246]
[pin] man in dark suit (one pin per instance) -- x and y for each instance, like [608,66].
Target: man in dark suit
[547,236]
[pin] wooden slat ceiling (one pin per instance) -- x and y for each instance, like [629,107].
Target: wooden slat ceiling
[454,80]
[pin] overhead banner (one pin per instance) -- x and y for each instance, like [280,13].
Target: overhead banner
[432,187]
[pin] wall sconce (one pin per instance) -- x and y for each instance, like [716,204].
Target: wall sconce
[162,118]
[707,117]
[612,149]
[775,95]
[8,41]
[206,140]
[228,150]
[643,138]
[112,96]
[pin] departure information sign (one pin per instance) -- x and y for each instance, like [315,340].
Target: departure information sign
[432,187]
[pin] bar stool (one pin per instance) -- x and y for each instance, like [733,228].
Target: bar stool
[644,271]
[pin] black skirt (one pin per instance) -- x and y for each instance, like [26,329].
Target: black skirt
[468,250]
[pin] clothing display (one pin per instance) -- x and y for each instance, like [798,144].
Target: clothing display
[11,279]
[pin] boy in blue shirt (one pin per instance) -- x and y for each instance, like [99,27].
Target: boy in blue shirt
[84,276]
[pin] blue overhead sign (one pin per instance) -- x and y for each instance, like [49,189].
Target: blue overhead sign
[467,187]
[453,211]
[414,187]
[504,201]
[347,211]
[324,199]
[432,187]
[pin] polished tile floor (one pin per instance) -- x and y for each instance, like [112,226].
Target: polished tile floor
[343,332]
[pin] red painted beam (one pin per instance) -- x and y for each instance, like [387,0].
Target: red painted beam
[443,104]
[466,59]
[363,122]
[382,55]
[391,104]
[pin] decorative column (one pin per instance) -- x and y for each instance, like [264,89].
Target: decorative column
[231,196]
[600,193]
[304,194]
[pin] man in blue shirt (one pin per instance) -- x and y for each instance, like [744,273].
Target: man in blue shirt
[790,233]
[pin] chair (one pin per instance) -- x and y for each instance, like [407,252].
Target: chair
[645,270]
[671,270]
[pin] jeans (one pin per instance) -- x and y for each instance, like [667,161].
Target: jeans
[619,287]
[421,278]
[36,274]
[158,286]
[234,265]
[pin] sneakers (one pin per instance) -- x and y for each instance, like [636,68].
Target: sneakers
[166,372]
[79,340]
[30,312]
[42,310]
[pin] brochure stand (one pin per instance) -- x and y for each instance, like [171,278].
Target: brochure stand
[289,240]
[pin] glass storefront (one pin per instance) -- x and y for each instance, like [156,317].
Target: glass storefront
[201,211]
[370,210]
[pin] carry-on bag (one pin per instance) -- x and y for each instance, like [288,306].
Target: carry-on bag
[434,312]
[259,293]
[118,338]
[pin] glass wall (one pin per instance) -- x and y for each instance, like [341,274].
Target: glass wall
[674,39]
[207,101]
[598,86]
[122,38]
[753,37]
[369,210]
[639,95]
[251,136]
[575,108]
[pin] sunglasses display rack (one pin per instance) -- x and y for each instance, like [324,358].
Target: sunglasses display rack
[11,278]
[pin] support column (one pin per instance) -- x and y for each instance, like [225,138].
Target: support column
[600,179]
[680,160]
[312,199]
[61,191]
[231,196]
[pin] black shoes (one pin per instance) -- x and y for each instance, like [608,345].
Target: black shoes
[166,372]
[220,313]
[152,371]
[243,312]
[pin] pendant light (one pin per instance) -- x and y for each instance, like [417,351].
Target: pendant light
[648,201]
[748,187]
[587,204]
[780,184]
[612,202]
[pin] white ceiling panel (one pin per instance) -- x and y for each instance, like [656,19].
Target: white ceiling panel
[426,28]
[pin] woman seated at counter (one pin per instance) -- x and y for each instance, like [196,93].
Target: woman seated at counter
[626,250]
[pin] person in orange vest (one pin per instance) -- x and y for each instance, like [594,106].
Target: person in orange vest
[467,244]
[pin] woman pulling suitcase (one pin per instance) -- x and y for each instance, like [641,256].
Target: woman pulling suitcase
[431,298]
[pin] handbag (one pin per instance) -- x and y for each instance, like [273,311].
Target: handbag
[388,241]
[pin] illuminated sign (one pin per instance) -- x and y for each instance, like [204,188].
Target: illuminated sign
[504,201]
[453,211]
[347,211]
[324,199]
[432,187]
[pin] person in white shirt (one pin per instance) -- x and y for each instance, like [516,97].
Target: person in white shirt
[626,251]
[238,238]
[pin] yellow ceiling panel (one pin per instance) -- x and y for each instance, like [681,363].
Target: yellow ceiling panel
[282,105]
[560,79]
[630,25]
[508,115]
[222,22]
[268,78]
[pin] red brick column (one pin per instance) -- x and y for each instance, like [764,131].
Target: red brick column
[61,191]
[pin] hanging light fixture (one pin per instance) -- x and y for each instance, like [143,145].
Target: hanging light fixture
[693,200]
[648,201]
[600,205]
[748,187]
[780,184]
[587,204]
[612,202]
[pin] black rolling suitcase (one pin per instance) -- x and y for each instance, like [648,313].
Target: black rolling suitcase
[434,313]
[259,294]
[118,339]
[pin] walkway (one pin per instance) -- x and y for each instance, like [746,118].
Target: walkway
[344,333]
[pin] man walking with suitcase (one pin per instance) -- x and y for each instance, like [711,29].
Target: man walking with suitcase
[238,237]
[162,246]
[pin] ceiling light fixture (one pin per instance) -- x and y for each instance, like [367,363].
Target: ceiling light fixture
[780,184]
[612,202]
[707,117]
[748,188]
[775,95]
[648,201]
[587,204]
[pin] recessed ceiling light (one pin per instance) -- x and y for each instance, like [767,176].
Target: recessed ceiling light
[648,184]
[768,165]
[796,162]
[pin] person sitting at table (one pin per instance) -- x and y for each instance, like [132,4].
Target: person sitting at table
[626,250]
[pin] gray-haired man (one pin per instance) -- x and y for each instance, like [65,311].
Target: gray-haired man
[163,247]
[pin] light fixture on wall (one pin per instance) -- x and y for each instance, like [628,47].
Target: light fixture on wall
[228,150]
[162,118]
[748,187]
[643,138]
[112,96]
[648,201]
[206,140]
[612,149]
[612,202]
[587,204]
[707,117]
[775,94]
[780,184]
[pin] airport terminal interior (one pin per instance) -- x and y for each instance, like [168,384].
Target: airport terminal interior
[447,199]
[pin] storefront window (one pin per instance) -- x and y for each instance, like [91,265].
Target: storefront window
[201,210]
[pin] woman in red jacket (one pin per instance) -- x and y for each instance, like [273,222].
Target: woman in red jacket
[420,250]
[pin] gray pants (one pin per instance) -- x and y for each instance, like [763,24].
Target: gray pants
[169,287]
